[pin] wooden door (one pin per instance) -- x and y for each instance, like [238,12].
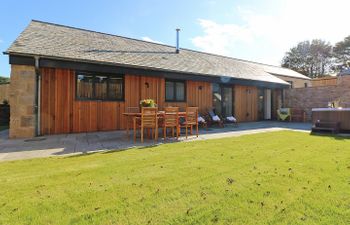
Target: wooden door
[246,103]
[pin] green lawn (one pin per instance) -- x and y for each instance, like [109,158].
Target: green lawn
[268,178]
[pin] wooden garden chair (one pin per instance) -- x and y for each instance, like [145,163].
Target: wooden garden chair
[148,120]
[284,114]
[171,120]
[191,119]
[215,119]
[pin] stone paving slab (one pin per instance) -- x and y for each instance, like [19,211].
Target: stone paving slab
[65,144]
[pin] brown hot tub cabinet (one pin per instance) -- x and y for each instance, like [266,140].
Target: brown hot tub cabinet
[338,118]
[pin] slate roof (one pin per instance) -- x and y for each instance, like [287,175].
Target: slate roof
[279,71]
[69,43]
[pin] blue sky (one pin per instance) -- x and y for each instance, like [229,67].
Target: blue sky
[254,30]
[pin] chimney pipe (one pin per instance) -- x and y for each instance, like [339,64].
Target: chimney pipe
[177,40]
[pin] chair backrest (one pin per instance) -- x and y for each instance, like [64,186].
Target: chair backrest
[284,110]
[211,113]
[192,114]
[171,116]
[132,109]
[149,117]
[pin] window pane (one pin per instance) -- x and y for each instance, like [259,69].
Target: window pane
[180,91]
[115,88]
[101,87]
[169,90]
[84,86]
[227,101]
[217,98]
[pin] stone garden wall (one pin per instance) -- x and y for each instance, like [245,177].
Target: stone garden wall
[318,97]
[22,100]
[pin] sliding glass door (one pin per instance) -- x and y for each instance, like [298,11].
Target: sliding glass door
[227,102]
[261,104]
[222,100]
[264,104]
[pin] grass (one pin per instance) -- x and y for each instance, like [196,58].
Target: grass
[268,178]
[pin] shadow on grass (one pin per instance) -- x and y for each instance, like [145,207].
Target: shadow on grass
[83,154]
[339,137]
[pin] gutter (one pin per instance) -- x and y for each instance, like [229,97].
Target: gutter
[282,84]
[37,95]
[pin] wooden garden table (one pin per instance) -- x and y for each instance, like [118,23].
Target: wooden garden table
[133,115]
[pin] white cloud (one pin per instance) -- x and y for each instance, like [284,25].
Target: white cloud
[265,37]
[151,40]
[220,38]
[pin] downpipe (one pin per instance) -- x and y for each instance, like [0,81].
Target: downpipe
[37,96]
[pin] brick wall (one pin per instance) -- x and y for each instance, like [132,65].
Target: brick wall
[22,100]
[4,92]
[318,97]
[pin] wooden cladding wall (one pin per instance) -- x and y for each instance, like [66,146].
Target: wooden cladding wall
[246,103]
[61,113]
[56,110]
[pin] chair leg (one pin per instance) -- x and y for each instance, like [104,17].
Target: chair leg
[134,131]
[197,129]
[191,129]
[177,132]
[164,133]
[172,132]
[141,134]
[127,126]
[156,134]
[186,130]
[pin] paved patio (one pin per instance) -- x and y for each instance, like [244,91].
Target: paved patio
[90,142]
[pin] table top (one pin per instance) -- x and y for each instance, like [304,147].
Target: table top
[159,113]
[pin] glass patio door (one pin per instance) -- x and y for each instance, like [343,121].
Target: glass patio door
[222,100]
[261,104]
[227,101]
[264,104]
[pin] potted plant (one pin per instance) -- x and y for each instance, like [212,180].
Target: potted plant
[147,103]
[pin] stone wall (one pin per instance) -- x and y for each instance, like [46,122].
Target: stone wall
[318,97]
[22,99]
[4,92]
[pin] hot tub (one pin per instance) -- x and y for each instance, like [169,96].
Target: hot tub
[341,115]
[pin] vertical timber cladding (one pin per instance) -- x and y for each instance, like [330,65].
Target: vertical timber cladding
[246,103]
[56,101]
[61,113]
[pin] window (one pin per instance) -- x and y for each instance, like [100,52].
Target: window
[223,101]
[305,85]
[291,83]
[92,86]
[175,91]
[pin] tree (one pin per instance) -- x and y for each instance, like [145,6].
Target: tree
[4,80]
[312,59]
[342,54]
